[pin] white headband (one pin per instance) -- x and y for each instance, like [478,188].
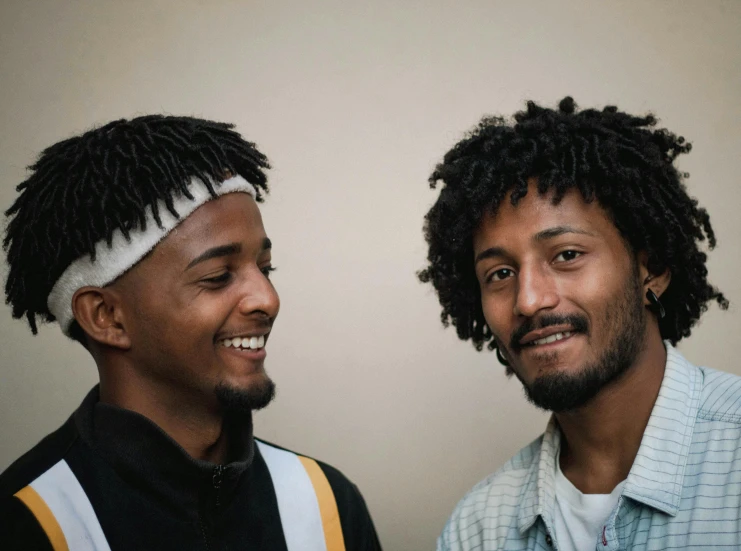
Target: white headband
[111,262]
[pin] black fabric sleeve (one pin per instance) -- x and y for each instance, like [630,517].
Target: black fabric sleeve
[19,529]
[357,525]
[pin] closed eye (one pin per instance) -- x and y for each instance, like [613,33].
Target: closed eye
[267,270]
[221,279]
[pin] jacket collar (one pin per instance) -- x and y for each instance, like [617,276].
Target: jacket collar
[657,475]
[145,456]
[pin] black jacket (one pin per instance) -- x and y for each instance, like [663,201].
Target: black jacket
[148,493]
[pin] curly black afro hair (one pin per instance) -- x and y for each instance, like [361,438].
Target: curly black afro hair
[620,160]
[82,189]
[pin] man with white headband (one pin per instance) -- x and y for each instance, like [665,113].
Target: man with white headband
[144,241]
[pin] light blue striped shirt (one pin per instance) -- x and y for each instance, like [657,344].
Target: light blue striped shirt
[683,490]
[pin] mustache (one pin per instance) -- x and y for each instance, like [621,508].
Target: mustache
[262,323]
[578,323]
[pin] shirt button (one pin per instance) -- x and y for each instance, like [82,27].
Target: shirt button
[549,539]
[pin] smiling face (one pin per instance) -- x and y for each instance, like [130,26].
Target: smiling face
[561,293]
[199,308]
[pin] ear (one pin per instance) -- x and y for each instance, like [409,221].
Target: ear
[658,283]
[98,311]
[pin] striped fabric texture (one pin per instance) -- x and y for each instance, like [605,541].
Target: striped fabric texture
[63,510]
[306,504]
[308,510]
[682,493]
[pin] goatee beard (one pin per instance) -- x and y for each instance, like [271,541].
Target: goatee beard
[238,401]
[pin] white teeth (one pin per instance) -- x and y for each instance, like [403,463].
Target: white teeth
[246,343]
[551,338]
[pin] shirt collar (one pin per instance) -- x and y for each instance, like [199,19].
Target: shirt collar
[539,497]
[657,475]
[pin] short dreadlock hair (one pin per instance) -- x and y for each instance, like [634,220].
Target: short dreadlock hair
[618,159]
[84,188]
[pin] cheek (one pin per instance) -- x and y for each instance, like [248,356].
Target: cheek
[597,295]
[497,313]
[173,326]
[206,314]
[146,323]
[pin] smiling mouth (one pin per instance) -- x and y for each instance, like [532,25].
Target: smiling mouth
[549,339]
[244,343]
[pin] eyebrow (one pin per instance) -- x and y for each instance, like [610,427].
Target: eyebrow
[544,235]
[492,252]
[550,233]
[224,250]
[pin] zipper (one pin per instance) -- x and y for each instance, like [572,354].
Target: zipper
[204,532]
[216,480]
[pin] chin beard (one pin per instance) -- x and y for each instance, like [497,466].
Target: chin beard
[242,401]
[562,392]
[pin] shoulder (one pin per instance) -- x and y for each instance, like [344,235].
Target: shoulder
[18,525]
[357,527]
[38,459]
[720,399]
[503,488]
[493,504]
[345,492]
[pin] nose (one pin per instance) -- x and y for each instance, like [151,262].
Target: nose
[536,291]
[258,296]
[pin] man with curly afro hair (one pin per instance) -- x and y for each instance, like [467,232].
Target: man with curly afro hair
[565,241]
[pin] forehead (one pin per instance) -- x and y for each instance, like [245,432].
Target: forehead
[536,213]
[231,218]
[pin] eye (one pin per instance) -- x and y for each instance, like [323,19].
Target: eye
[566,256]
[499,275]
[221,279]
[266,271]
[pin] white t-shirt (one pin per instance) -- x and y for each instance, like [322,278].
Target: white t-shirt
[579,518]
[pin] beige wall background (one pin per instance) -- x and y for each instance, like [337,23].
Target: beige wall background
[354,103]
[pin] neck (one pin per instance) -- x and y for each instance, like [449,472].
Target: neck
[198,429]
[600,440]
